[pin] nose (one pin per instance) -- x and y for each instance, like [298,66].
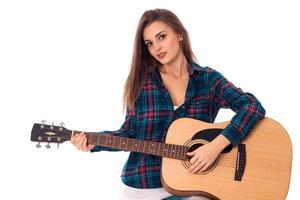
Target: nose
[157,47]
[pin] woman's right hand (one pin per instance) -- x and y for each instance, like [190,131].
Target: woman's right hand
[80,142]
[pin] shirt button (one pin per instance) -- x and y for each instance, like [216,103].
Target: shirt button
[183,107]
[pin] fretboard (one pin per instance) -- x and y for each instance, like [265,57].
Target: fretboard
[142,146]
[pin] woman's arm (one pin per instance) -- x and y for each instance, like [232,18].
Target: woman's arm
[223,94]
[126,130]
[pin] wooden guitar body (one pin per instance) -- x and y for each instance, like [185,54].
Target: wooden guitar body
[267,163]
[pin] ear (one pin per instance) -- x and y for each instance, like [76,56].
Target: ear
[180,37]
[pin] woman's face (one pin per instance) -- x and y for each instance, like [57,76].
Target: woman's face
[162,42]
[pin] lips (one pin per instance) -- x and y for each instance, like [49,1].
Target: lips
[161,55]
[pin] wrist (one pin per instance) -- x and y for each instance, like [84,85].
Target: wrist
[220,142]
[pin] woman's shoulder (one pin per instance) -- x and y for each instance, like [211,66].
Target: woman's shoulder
[203,69]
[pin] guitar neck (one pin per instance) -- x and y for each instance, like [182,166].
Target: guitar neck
[142,146]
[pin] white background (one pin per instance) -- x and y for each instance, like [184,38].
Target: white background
[68,61]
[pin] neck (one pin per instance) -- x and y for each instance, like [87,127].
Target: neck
[177,69]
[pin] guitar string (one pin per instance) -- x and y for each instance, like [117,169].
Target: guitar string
[227,162]
[175,154]
[118,140]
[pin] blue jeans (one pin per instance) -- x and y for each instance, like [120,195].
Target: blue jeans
[175,198]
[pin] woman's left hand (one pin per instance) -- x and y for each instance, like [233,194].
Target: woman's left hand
[203,157]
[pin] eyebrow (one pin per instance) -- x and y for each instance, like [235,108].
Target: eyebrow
[157,34]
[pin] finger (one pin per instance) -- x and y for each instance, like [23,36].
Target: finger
[196,168]
[78,140]
[84,144]
[81,141]
[192,153]
[193,166]
[204,167]
[194,159]
[73,138]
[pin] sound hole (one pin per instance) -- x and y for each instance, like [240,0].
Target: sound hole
[193,148]
[187,162]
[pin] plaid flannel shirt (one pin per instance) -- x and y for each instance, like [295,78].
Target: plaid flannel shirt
[207,92]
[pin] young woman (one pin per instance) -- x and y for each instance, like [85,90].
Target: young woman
[166,83]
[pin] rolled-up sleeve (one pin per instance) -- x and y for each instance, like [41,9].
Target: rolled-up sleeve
[127,130]
[248,109]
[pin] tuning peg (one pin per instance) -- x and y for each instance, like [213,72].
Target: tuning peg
[38,145]
[52,126]
[43,123]
[48,146]
[61,126]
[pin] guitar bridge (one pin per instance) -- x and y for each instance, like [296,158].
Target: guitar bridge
[240,162]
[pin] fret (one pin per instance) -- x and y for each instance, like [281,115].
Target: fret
[120,142]
[159,149]
[136,145]
[116,142]
[90,138]
[180,152]
[164,150]
[151,147]
[156,148]
[126,146]
[167,150]
[112,142]
[144,147]
[131,145]
[97,139]
[172,150]
[102,139]
[184,152]
[105,141]
[175,151]
[108,141]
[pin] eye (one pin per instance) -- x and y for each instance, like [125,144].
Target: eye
[162,36]
[148,44]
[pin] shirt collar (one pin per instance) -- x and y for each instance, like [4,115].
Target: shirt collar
[157,80]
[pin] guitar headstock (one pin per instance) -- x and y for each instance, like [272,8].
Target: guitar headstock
[49,134]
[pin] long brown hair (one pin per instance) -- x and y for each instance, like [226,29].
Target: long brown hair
[142,62]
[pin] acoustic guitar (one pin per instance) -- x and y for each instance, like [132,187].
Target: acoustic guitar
[258,168]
